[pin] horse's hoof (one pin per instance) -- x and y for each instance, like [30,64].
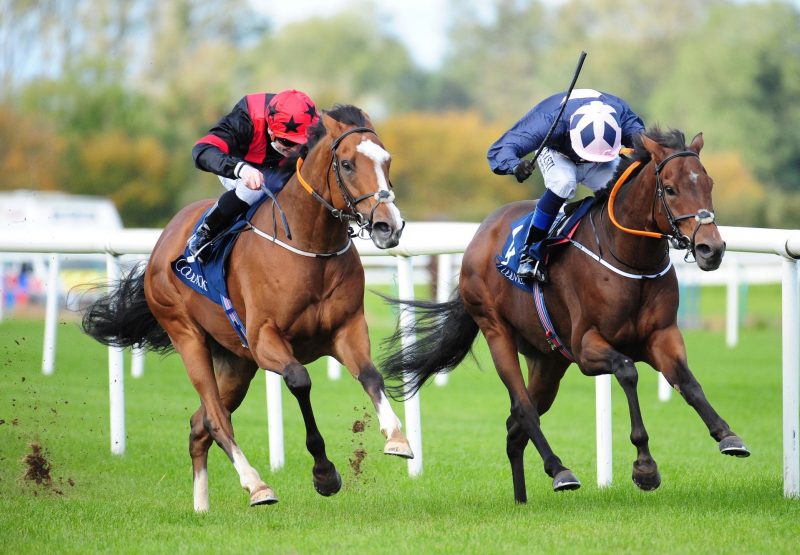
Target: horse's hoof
[329,487]
[398,448]
[565,480]
[733,446]
[646,481]
[263,496]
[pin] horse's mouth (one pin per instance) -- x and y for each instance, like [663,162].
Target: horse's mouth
[709,257]
[385,236]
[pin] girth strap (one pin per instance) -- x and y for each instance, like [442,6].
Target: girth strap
[550,334]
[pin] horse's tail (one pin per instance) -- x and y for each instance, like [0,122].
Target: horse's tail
[121,318]
[444,333]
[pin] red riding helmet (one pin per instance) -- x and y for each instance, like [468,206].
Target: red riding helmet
[289,115]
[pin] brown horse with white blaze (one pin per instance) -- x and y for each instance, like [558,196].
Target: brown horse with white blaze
[299,292]
[612,300]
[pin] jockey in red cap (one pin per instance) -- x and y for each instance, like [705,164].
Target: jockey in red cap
[248,150]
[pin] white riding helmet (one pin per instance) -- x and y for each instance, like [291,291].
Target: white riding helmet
[595,133]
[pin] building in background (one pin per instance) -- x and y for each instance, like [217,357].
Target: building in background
[23,275]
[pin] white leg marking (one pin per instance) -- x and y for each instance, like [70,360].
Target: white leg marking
[248,476]
[201,491]
[379,156]
[387,418]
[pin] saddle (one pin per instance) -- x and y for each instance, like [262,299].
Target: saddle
[564,226]
[210,278]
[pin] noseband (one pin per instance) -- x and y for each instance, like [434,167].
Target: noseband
[351,213]
[677,239]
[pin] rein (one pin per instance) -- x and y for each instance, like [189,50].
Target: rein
[678,240]
[351,214]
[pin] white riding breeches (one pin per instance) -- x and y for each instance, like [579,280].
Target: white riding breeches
[243,192]
[562,175]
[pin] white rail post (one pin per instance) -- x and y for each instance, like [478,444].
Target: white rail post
[602,386]
[405,281]
[664,389]
[334,369]
[444,282]
[116,375]
[791,378]
[51,317]
[732,304]
[275,421]
[137,362]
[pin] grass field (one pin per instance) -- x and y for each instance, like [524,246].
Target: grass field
[463,503]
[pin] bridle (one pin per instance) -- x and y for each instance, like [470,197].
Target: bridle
[351,213]
[702,216]
[677,239]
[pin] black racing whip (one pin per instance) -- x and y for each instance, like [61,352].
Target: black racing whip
[561,111]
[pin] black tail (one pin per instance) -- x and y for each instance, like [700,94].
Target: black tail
[444,336]
[122,318]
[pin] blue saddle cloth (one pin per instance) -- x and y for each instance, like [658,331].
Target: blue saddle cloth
[210,279]
[565,224]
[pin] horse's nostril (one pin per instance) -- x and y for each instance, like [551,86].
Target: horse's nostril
[703,250]
[381,228]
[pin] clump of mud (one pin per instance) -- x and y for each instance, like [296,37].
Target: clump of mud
[355,461]
[359,452]
[37,466]
[38,471]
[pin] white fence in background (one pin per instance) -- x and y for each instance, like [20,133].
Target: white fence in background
[437,239]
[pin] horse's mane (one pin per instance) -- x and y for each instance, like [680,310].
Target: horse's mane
[343,113]
[670,138]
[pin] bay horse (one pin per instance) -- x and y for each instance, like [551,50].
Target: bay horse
[612,301]
[299,294]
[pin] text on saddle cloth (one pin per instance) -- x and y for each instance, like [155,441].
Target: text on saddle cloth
[507,262]
[209,279]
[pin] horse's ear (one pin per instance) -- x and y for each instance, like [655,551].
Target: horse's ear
[657,151]
[697,143]
[332,126]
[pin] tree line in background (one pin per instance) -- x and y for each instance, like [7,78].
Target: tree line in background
[107,98]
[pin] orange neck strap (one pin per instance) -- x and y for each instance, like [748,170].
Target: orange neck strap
[302,181]
[621,181]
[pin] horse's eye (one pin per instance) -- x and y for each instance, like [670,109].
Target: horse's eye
[670,191]
[347,165]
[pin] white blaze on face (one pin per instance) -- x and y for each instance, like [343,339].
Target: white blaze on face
[693,177]
[379,156]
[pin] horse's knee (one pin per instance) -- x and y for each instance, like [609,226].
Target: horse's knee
[625,372]
[524,412]
[296,378]
[199,438]
[516,441]
[371,380]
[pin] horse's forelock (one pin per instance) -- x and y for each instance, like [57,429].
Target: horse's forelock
[343,113]
[348,115]
[671,138]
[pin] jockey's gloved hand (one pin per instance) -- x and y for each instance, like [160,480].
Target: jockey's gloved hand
[523,170]
[252,178]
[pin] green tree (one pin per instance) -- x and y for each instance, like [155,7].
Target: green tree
[439,166]
[744,93]
[31,152]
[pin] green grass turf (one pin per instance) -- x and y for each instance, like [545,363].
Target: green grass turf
[142,502]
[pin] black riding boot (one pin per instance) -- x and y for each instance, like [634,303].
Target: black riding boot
[531,265]
[218,219]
